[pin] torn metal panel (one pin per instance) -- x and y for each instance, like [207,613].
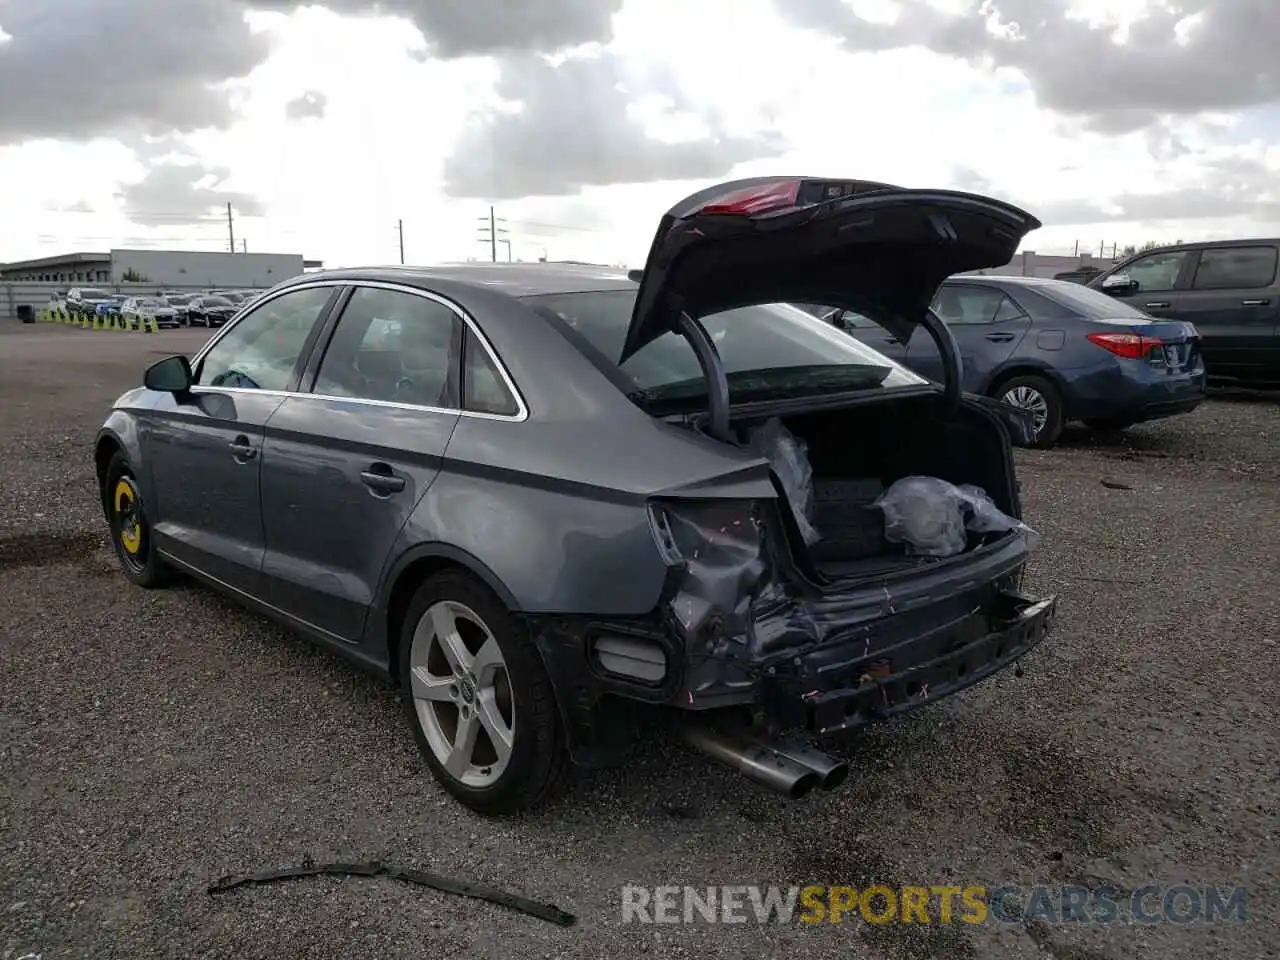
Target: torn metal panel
[752,633]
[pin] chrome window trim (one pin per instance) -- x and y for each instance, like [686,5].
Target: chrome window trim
[522,409]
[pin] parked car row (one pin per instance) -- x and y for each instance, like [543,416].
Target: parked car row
[209,309]
[1057,349]
[137,312]
[1137,342]
[1230,290]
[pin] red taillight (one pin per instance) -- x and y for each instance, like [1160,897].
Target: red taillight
[754,200]
[1131,346]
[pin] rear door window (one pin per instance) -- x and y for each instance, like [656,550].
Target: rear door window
[1235,268]
[393,347]
[962,304]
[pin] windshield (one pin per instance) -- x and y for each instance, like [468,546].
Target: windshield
[149,303]
[767,350]
[94,295]
[216,302]
[1089,303]
[178,301]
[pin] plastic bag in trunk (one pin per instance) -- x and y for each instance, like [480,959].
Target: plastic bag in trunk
[933,518]
[789,458]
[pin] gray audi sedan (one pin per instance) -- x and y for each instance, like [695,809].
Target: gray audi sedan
[546,500]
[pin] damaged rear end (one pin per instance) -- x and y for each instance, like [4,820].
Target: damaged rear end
[831,634]
[882,578]
[883,569]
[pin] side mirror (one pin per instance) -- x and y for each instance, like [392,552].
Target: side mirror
[170,375]
[1119,283]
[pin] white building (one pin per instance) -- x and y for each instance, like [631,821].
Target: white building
[163,268]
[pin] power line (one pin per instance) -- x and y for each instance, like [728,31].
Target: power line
[158,215]
[555,226]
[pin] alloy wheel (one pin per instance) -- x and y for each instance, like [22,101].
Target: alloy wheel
[1031,400]
[462,693]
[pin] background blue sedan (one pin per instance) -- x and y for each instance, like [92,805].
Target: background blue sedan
[1058,349]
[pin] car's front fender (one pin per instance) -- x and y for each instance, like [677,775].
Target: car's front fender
[120,432]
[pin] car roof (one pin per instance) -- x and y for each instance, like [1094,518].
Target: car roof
[514,279]
[1008,281]
[1206,245]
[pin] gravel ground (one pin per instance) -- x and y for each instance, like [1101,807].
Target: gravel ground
[153,741]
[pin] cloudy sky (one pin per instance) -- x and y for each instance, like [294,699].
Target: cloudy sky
[135,122]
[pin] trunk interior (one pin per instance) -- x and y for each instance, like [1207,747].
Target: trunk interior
[856,453]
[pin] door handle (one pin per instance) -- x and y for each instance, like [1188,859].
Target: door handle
[242,449]
[1157,305]
[999,337]
[892,340]
[380,479]
[1254,303]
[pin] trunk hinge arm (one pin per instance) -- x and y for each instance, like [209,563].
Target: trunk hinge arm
[953,382]
[704,349]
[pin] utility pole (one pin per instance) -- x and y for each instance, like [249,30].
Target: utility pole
[489,233]
[244,245]
[508,243]
[231,230]
[400,228]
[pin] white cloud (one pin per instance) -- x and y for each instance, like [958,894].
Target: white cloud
[324,125]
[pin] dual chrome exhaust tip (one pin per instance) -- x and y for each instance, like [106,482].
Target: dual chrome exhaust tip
[791,769]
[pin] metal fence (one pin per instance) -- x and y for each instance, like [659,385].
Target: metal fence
[36,296]
[1032,264]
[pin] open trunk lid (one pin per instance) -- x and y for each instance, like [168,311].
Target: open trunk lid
[875,248]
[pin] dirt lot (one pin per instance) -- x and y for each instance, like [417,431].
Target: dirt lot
[153,741]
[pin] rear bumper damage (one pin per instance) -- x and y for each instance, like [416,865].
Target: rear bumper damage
[824,662]
[845,685]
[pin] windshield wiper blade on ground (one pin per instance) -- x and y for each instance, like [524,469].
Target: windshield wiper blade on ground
[423,878]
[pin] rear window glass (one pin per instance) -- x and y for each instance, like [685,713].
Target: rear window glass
[1225,268]
[1089,303]
[775,341]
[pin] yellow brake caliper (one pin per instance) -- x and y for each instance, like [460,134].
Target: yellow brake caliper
[130,535]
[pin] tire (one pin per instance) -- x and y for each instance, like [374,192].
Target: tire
[1026,387]
[513,693]
[132,540]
